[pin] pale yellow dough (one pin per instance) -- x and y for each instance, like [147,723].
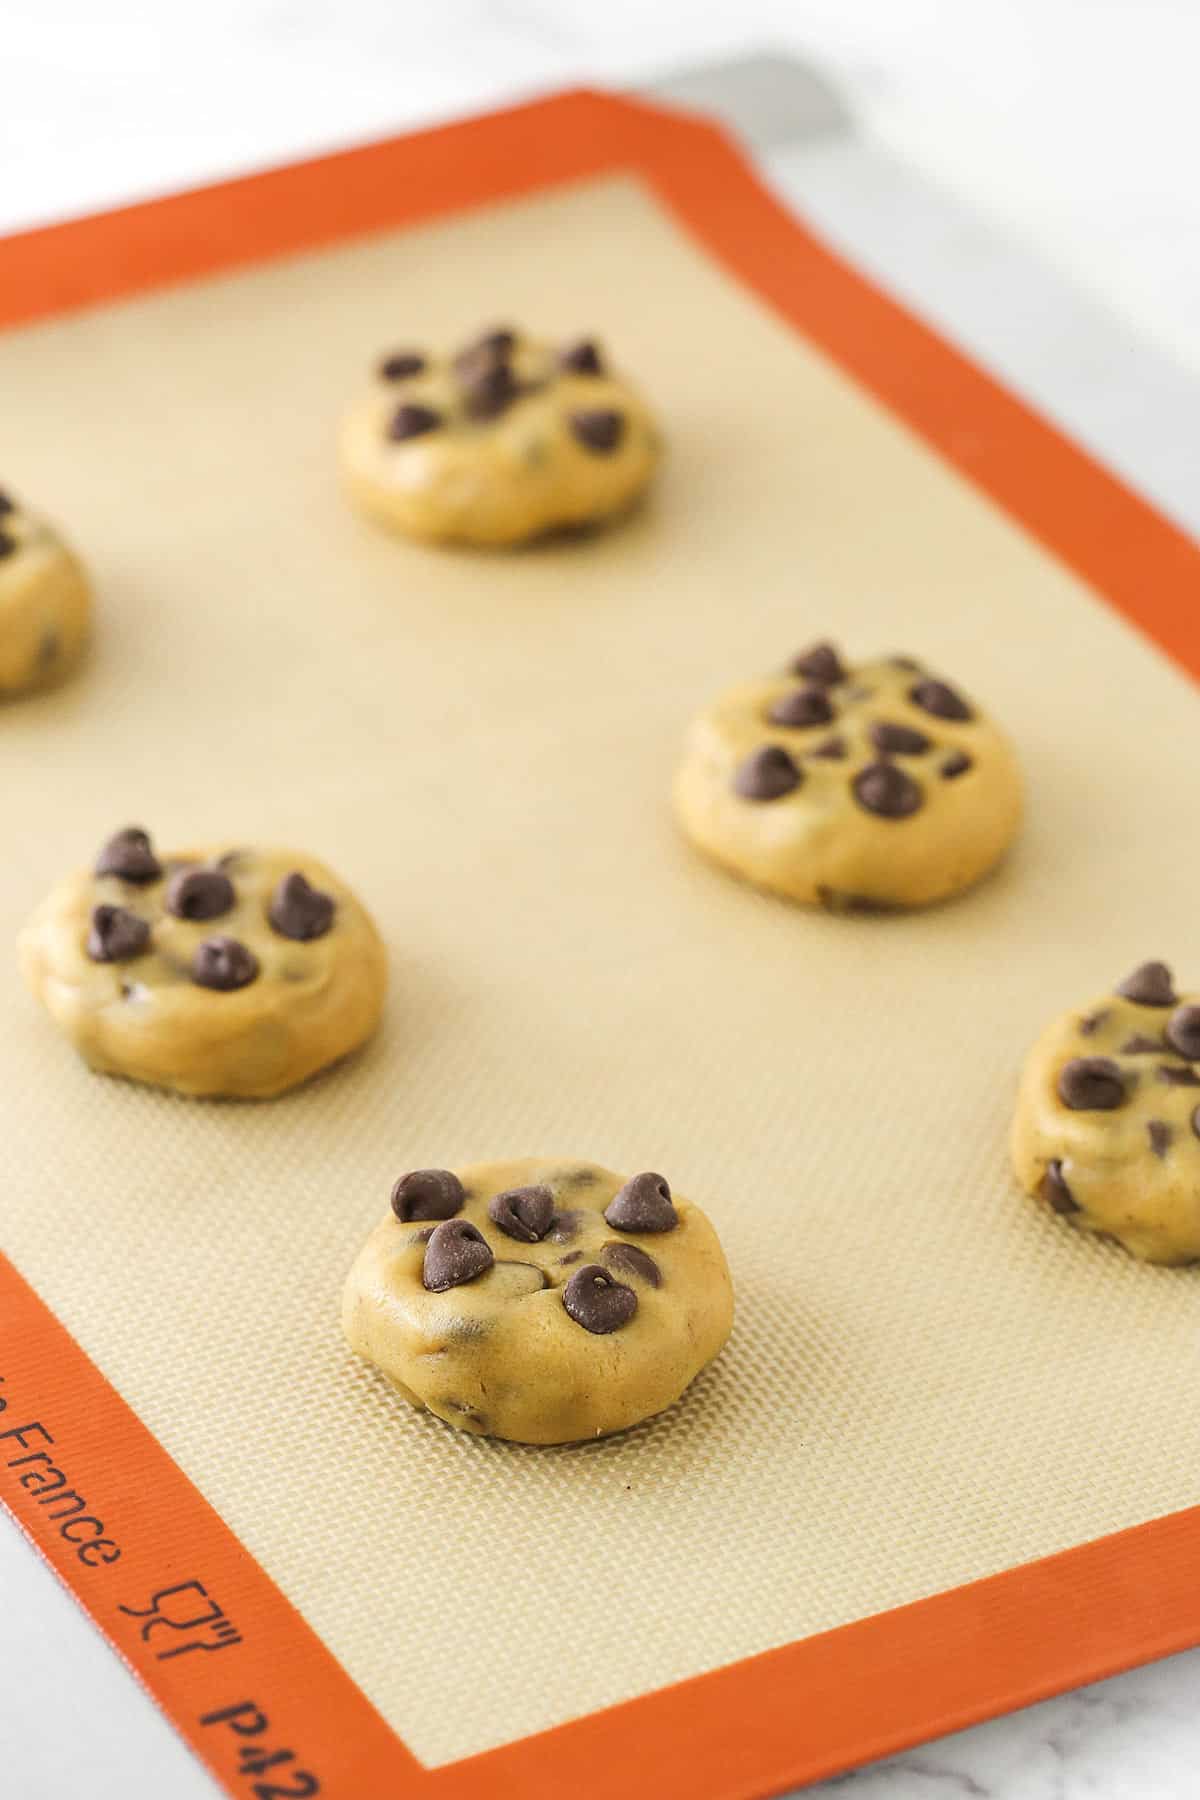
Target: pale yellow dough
[500,1355]
[45,605]
[1104,1162]
[502,480]
[311,1002]
[817,844]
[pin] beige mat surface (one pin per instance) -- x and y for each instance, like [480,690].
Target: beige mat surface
[929,1380]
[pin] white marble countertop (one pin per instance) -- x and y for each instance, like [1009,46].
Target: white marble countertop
[1066,132]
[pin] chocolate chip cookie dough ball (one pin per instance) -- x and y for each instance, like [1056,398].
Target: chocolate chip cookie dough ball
[1107,1126]
[850,785]
[45,602]
[501,441]
[223,971]
[541,1301]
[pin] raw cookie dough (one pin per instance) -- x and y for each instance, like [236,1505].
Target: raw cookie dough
[865,785]
[504,1300]
[235,971]
[504,440]
[45,602]
[1107,1127]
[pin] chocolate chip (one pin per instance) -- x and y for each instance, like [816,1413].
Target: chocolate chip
[490,391]
[643,1204]
[8,543]
[820,663]
[831,749]
[1177,1075]
[572,1256]
[411,420]
[428,1194]
[937,698]
[456,1252]
[1149,985]
[600,431]
[582,358]
[199,894]
[1055,1191]
[630,1259]
[898,740]
[523,1213]
[116,935]
[767,774]
[597,1302]
[224,964]
[957,763]
[1160,1135]
[499,342]
[402,365]
[1183,1032]
[883,789]
[801,708]
[129,855]
[1094,1021]
[566,1226]
[1140,1045]
[7,503]
[299,910]
[1091,1084]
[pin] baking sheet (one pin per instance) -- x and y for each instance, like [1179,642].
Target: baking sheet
[929,1381]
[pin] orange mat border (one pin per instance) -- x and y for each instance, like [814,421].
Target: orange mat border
[790,1715]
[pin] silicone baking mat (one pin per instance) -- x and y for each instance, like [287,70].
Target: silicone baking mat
[889,1508]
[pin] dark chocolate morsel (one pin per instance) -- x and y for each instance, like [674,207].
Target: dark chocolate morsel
[1093,1022]
[1177,1075]
[597,1302]
[937,698]
[401,366]
[490,391]
[643,1204]
[224,964]
[572,1256]
[630,1259]
[582,358]
[1160,1135]
[831,749]
[299,910]
[411,420]
[1091,1084]
[820,663]
[600,431]
[1149,985]
[1183,1032]
[116,935]
[1140,1045]
[456,1252]
[199,894]
[499,342]
[1055,1191]
[428,1194]
[883,789]
[523,1213]
[129,855]
[8,543]
[7,503]
[565,1228]
[898,740]
[801,708]
[957,763]
[767,774]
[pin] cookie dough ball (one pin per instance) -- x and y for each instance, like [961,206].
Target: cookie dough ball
[228,971]
[503,441]
[1107,1127]
[864,785]
[541,1301]
[45,602]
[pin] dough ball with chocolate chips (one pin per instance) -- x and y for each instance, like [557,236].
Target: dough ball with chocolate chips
[217,971]
[502,440]
[45,602]
[853,786]
[1107,1126]
[547,1302]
